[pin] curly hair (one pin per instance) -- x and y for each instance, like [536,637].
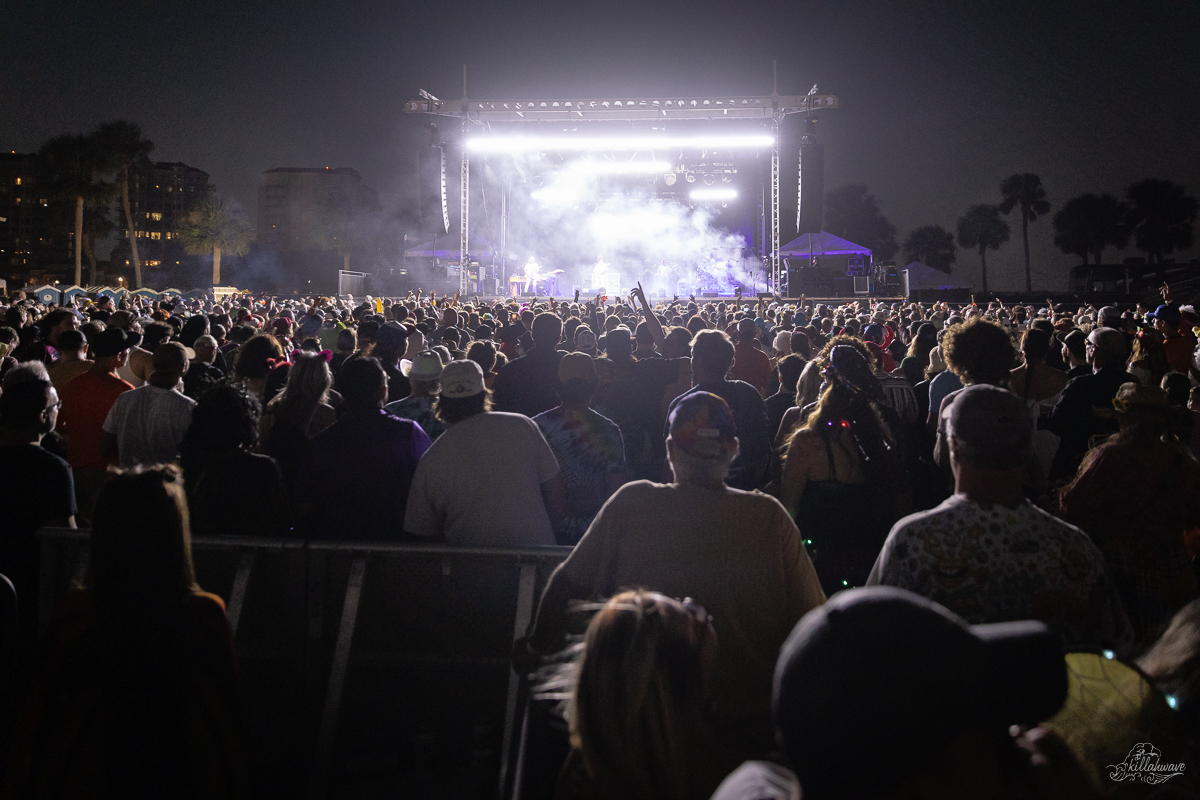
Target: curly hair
[822,357]
[979,351]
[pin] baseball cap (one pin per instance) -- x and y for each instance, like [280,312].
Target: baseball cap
[427,366]
[110,342]
[702,425]
[991,426]
[1168,314]
[1108,314]
[575,366]
[585,338]
[885,677]
[461,378]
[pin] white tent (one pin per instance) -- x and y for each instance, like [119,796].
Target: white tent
[922,276]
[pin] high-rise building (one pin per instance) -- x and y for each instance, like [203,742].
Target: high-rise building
[160,196]
[291,199]
[30,244]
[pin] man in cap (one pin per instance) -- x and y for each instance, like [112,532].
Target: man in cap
[990,555]
[585,341]
[587,446]
[1073,417]
[457,500]
[1074,352]
[86,402]
[423,373]
[883,694]
[354,480]
[1179,345]
[737,553]
[147,425]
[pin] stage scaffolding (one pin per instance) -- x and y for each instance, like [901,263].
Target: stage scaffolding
[772,108]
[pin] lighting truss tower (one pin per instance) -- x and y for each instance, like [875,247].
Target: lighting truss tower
[773,108]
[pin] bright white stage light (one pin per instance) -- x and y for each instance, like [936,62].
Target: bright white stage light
[714,194]
[554,196]
[525,144]
[619,167]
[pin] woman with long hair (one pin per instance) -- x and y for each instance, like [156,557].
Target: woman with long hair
[1148,359]
[916,358]
[1135,496]
[1039,385]
[255,361]
[842,476]
[298,413]
[638,697]
[139,694]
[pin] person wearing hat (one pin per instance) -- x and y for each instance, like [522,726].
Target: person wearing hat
[86,402]
[865,710]
[1135,496]
[422,373]
[1179,344]
[738,553]
[457,499]
[990,555]
[1073,417]
[1074,352]
[585,341]
[588,447]
[147,425]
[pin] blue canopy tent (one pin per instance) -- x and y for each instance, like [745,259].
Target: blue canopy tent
[45,294]
[821,244]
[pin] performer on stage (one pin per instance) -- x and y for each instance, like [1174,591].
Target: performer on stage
[661,280]
[533,274]
[604,277]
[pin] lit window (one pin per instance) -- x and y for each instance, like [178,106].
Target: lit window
[155,235]
[18,181]
[18,201]
[155,215]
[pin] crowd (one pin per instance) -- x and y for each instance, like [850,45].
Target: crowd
[845,546]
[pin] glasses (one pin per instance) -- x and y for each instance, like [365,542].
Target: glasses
[52,406]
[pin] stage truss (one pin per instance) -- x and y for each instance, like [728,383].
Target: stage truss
[773,108]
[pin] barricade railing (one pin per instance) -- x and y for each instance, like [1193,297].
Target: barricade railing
[428,607]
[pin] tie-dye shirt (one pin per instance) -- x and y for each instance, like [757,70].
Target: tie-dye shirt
[588,447]
[995,563]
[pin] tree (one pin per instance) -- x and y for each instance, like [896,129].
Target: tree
[1025,191]
[932,245]
[344,221]
[854,215]
[70,167]
[1162,216]
[214,226]
[1089,223]
[124,148]
[982,229]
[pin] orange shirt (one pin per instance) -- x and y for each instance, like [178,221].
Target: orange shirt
[1179,351]
[86,401]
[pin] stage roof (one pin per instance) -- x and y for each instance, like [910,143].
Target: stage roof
[823,244]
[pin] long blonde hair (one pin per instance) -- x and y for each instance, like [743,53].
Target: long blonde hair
[636,711]
[308,383]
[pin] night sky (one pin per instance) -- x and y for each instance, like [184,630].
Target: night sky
[940,101]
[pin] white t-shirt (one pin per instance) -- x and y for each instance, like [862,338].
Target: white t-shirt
[149,424]
[454,498]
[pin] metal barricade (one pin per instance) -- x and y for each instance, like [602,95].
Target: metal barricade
[358,630]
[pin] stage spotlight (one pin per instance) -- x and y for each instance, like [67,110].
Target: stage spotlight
[691,177]
[522,144]
[714,194]
[709,180]
[619,167]
[669,179]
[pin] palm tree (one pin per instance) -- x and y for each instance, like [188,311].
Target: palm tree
[214,226]
[1025,191]
[853,214]
[982,228]
[1089,223]
[70,167]
[932,245]
[1162,215]
[122,143]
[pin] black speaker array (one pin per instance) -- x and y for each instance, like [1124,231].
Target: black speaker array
[435,213]
[812,187]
